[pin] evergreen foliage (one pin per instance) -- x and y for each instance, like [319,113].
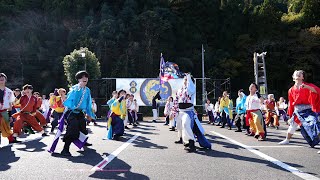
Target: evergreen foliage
[127,37]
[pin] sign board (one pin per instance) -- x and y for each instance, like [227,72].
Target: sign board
[145,89]
[262,90]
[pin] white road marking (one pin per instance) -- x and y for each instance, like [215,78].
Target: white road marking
[108,159]
[285,166]
[274,146]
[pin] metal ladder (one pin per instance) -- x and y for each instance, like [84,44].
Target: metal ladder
[260,73]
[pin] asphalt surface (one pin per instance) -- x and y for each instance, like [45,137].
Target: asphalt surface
[153,155]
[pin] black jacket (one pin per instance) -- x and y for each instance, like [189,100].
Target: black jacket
[154,103]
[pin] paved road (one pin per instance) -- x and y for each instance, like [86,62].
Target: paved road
[148,152]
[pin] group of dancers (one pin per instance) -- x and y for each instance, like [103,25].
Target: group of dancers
[181,115]
[75,109]
[25,110]
[254,113]
[28,113]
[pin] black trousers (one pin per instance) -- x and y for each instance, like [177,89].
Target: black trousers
[56,117]
[130,118]
[76,123]
[240,119]
[225,120]
[167,119]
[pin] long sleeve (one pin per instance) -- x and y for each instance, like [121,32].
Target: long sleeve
[34,108]
[119,107]
[88,109]
[51,100]
[291,101]
[109,103]
[230,108]
[221,105]
[238,104]
[243,102]
[23,102]
[94,107]
[11,98]
[123,109]
[224,103]
[314,98]
[191,87]
[157,96]
[39,102]
[246,104]
[70,101]
[166,109]
[206,107]
[115,107]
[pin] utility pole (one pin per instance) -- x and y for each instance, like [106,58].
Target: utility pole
[83,55]
[204,93]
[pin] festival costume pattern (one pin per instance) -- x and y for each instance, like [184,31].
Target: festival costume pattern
[5,105]
[304,108]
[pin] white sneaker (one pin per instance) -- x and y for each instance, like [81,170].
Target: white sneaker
[318,152]
[286,141]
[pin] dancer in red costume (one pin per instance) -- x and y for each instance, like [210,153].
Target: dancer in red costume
[27,114]
[304,108]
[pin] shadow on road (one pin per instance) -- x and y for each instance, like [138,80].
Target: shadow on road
[7,156]
[118,169]
[144,142]
[219,154]
[142,132]
[215,140]
[33,146]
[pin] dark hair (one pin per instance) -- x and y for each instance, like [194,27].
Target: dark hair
[3,75]
[122,90]
[27,86]
[17,89]
[240,90]
[80,75]
[37,93]
[255,85]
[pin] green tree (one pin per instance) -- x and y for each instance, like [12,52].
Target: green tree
[75,62]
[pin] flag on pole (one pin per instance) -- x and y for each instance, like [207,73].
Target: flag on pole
[169,70]
[162,63]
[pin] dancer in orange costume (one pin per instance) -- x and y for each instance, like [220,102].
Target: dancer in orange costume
[6,101]
[272,111]
[254,115]
[28,110]
[38,114]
